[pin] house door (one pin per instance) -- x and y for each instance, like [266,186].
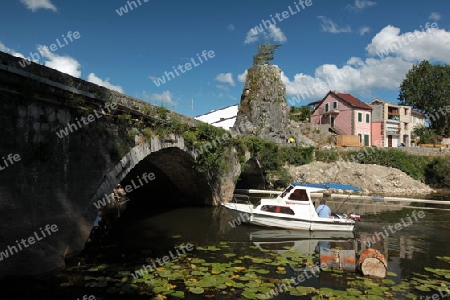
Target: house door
[332,121]
[366,140]
[389,140]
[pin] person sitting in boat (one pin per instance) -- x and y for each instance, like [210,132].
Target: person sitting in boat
[323,210]
[98,220]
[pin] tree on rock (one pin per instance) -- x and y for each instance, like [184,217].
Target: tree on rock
[427,89]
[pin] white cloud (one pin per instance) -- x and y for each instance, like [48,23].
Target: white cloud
[5,49]
[365,76]
[94,79]
[65,64]
[36,4]
[222,87]
[252,36]
[277,34]
[357,76]
[432,44]
[242,77]
[360,5]
[231,27]
[364,30]
[163,98]
[329,26]
[435,16]
[225,78]
[273,32]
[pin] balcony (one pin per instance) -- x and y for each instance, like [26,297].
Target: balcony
[392,131]
[394,117]
[331,111]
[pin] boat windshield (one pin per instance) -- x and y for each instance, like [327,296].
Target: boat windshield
[287,190]
[299,195]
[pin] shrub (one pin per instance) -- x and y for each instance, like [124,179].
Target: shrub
[132,134]
[326,155]
[177,125]
[437,173]
[280,178]
[162,112]
[297,155]
[425,135]
[147,133]
[267,153]
[190,138]
[211,159]
[413,165]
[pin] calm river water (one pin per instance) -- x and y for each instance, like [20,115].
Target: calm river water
[143,235]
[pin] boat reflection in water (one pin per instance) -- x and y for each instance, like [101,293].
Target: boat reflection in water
[331,250]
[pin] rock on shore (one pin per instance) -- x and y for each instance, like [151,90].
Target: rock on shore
[370,178]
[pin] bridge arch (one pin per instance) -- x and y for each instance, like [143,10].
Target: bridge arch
[158,172]
[252,176]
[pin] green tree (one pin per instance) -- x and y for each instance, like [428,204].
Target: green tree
[300,114]
[427,89]
[425,135]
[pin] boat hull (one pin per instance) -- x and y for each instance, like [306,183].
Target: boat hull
[248,215]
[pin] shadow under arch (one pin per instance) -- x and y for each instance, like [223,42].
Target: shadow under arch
[176,183]
[252,176]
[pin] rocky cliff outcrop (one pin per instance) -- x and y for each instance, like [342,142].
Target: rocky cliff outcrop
[263,111]
[370,178]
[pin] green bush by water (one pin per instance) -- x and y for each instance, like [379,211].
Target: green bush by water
[412,165]
[437,172]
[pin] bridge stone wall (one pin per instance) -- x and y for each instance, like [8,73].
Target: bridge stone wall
[56,180]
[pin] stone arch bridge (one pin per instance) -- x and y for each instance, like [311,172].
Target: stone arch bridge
[49,176]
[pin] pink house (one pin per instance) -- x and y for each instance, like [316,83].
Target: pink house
[346,114]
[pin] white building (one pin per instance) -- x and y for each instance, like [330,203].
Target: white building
[417,119]
[223,117]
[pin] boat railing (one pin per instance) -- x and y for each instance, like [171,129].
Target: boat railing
[240,198]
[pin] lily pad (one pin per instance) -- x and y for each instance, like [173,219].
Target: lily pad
[229,254]
[422,288]
[196,290]
[249,294]
[177,294]
[388,281]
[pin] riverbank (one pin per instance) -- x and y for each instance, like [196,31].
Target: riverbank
[371,178]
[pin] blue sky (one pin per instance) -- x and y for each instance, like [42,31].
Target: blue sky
[339,43]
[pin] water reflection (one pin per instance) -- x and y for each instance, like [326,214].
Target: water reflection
[142,234]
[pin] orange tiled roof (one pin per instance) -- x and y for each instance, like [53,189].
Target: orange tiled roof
[352,100]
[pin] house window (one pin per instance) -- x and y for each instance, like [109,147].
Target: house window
[406,111]
[406,126]
[327,107]
[367,118]
[360,138]
[359,117]
[335,105]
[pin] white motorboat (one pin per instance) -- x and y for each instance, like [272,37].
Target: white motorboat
[292,209]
